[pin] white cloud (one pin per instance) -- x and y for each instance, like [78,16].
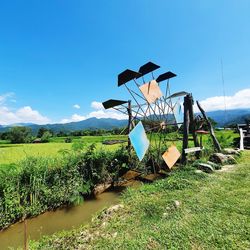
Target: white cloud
[102,113]
[21,115]
[77,118]
[65,120]
[107,114]
[241,99]
[97,105]
[73,118]
[27,114]
[99,113]
[5,97]
[77,106]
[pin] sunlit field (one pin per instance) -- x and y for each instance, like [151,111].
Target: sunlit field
[12,153]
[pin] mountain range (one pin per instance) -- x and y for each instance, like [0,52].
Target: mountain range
[225,118]
[91,123]
[221,117]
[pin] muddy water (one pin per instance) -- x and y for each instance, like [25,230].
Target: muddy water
[61,219]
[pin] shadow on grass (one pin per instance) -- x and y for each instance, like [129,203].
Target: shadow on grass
[10,146]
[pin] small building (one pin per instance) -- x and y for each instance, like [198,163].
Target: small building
[37,140]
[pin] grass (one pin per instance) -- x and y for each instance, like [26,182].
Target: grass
[90,139]
[214,213]
[12,153]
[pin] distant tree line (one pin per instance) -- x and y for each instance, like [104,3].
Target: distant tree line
[95,132]
[24,134]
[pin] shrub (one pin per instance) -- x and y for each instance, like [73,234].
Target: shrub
[68,140]
[226,140]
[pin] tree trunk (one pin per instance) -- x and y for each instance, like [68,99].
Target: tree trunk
[185,129]
[192,123]
[210,127]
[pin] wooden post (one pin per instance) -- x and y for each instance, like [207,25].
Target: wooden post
[129,124]
[192,123]
[185,129]
[210,127]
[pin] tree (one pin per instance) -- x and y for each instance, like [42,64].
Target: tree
[20,135]
[42,130]
[61,134]
[4,135]
[45,137]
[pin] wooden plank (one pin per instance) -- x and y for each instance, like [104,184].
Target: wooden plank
[151,91]
[171,156]
[131,174]
[99,189]
[192,150]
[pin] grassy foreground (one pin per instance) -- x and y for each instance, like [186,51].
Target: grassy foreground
[188,210]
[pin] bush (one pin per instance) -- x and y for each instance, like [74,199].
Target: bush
[68,140]
[226,140]
[78,146]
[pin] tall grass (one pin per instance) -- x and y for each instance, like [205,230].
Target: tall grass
[38,184]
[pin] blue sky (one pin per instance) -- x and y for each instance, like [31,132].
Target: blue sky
[56,54]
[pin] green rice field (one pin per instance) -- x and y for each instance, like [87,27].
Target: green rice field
[12,153]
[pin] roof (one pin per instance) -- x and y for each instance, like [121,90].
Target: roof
[165,76]
[127,76]
[177,94]
[147,68]
[112,103]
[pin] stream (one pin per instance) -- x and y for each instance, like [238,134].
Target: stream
[55,221]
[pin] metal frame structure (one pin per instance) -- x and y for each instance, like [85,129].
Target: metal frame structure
[153,104]
[156,115]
